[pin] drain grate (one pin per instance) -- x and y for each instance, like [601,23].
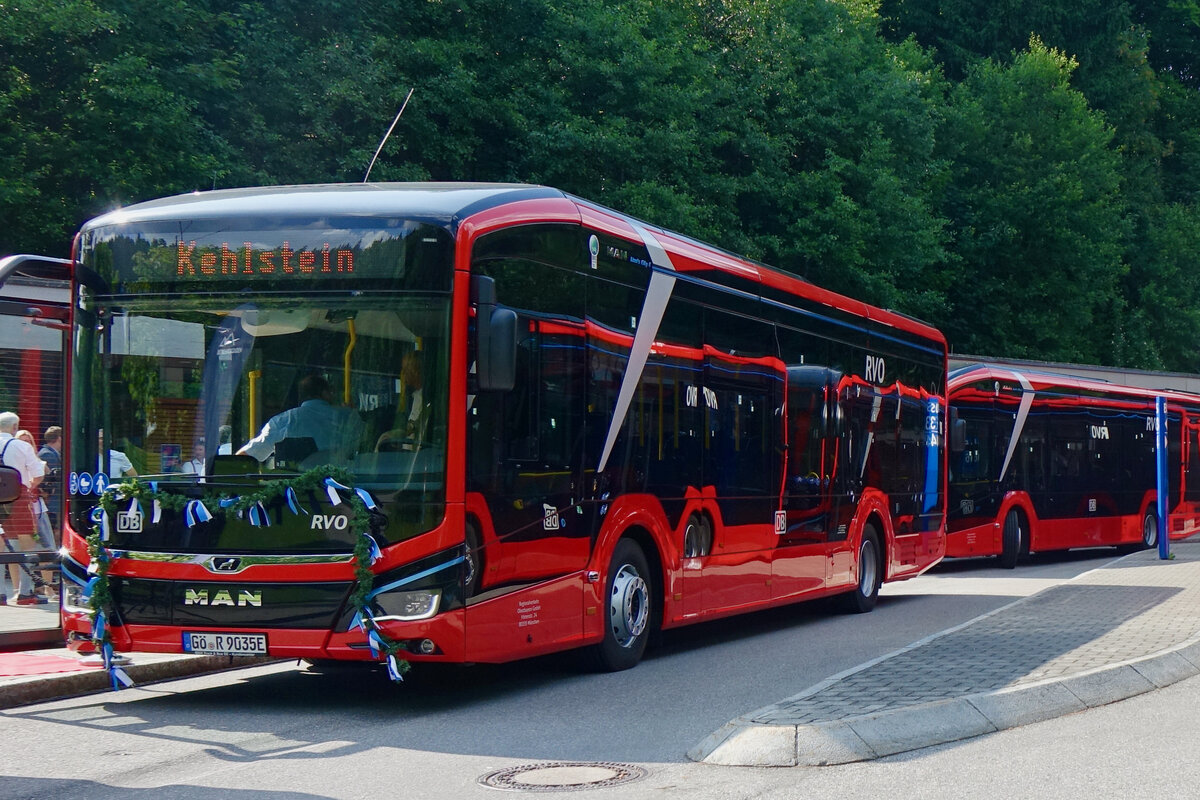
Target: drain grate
[562,776]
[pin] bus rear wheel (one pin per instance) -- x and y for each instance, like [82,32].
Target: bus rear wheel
[627,606]
[1150,530]
[1149,539]
[870,573]
[1013,540]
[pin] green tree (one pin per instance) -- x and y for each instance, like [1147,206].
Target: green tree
[90,116]
[1036,212]
[787,131]
[1164,330]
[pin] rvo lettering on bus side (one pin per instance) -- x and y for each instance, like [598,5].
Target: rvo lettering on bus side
[876,370]
[329,522]
[1100,432]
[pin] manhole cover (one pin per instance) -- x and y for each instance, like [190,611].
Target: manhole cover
[562,776]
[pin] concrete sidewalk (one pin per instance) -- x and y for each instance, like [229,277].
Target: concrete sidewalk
[1111,633]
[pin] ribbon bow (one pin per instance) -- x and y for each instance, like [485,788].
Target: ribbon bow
[196,512]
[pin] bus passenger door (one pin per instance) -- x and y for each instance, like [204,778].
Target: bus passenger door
[739,399]
[799,563]
[526,447]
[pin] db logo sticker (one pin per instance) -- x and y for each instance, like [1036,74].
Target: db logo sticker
[129,522]
[780,523]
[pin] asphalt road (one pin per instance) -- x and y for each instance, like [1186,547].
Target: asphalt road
[283,731]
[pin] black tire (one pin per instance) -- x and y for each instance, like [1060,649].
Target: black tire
[1149,538]
[627,609]
[1014,540]
[693,537]
[1149,530]
[870,573]
[706,535]
[473,568]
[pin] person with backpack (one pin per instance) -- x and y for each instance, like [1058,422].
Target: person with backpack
[19,524]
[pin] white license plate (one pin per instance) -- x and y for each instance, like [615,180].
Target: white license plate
[225,644]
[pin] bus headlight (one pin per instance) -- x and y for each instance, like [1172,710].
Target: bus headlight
[74,601]
[410,605]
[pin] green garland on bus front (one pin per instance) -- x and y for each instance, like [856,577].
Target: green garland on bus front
[318,479]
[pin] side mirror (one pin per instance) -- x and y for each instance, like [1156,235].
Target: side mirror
[10,484]
[958,432]
[495,338]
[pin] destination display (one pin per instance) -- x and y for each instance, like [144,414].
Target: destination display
[130,259]
[194,259]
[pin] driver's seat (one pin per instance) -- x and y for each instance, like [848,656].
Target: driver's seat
[294,450]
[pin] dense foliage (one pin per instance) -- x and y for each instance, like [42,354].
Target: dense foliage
[1025,176]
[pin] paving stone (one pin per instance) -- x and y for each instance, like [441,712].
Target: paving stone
[1108,634]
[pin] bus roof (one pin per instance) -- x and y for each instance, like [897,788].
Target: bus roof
[1034,380]
[450,205]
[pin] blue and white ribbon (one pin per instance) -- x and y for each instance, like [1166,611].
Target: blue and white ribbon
[228,502]
[100,517]
[293,502]
[393,664]
[376,642]
[373,547]
[365,496]
[135,508]
[195,512]
[259,517]
[156,507]
[119,677]
[331,489]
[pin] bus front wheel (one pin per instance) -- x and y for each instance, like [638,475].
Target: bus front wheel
[626,609]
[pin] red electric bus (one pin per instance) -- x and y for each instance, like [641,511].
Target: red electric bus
[1051,462]
[575,428]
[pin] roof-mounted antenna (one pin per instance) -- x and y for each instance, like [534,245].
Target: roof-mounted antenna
[403,106]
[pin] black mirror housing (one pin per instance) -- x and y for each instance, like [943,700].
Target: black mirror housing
[495,338]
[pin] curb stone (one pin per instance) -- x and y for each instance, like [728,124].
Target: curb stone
[867,737]
[38,688]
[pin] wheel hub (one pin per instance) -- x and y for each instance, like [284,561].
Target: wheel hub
[628,606]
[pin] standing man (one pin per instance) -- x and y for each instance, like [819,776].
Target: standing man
[51,453]
[195,465]
[19,524]
[119,465]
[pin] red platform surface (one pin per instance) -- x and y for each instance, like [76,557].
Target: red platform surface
[18,664]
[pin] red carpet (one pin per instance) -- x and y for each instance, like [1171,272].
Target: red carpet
[15,664]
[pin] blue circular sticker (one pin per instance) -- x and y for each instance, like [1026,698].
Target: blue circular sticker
[73,483]
[85,483]
[101,482]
